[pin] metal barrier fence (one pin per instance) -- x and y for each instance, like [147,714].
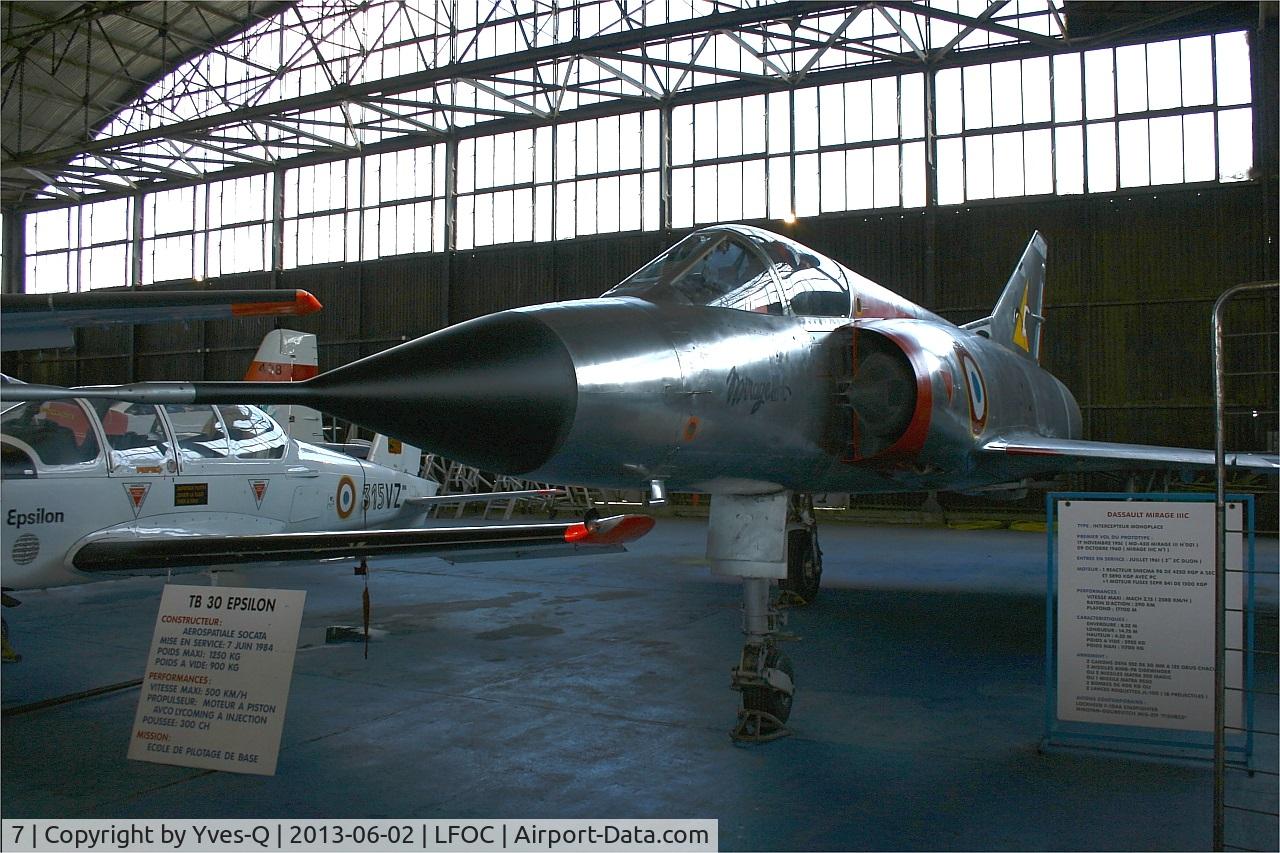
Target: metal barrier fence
[1245,793]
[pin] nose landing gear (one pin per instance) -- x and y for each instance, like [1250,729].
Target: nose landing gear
[747,539]
[764,674]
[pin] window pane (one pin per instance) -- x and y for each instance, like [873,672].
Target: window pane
[857,111]
[566,210]
[780,188]
[753,126]
[107,222]
[522,215]
[1135,154]
[833,188]
[779,119]
[979,181]
[887,190]
[1232,51]
[807,184]
[607,206]
[252,434]
[47,230]
[1066,87]
[806,119]
[831,121]
[1038,161]
[1197,71]
[884,107]
[948,102]
[608,145]
[198,431]
[1008,172]
[1131,78]
[913,106]
[977,97]
[105,266]
[754,202]
[1101,154]
[1199,160]
[1164,75]
[1235,144]
[729,178]
[913,173]
[1069,160]
[704,194]
[859,180]
[542,220]
[1036,103]
[1166,150]
[1099,85]
[950,171]
[1006,93]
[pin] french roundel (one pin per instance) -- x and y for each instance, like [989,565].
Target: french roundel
[977,392]
[346,498]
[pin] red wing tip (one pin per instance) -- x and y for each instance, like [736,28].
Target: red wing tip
[301,303]
[306,303]
[617,530]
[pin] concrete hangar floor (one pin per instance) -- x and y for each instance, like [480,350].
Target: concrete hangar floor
[598,688]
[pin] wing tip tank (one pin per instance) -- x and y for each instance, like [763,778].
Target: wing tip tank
[612,531]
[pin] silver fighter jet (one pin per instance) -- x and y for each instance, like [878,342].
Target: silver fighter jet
[741,364]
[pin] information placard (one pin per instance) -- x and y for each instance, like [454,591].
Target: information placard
[217,678]
[1135,626]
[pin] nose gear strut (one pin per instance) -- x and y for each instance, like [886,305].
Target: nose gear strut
[764,674]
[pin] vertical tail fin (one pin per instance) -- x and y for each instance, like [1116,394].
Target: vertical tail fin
[1017,319]
[288,356]
[284,356]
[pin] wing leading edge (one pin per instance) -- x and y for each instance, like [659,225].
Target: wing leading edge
[37,321]
[1064,454]
[158,550]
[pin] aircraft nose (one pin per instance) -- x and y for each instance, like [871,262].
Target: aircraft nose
[498,392]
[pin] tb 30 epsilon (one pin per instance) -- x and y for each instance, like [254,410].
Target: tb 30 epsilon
[740,364]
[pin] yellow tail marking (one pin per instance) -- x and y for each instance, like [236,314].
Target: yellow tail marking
[1020,324]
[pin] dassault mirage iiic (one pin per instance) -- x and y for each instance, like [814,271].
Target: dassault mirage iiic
[741,364]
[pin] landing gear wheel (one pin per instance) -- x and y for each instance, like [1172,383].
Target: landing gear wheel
[775,702]
[804,565]
[765,708]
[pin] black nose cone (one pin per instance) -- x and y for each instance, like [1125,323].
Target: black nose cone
[498,392]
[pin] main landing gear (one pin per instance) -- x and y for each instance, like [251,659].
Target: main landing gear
[762,538]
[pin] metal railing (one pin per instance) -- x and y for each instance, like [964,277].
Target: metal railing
[1254,806]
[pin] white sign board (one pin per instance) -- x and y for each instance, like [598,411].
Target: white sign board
[217,678]
[1135,621]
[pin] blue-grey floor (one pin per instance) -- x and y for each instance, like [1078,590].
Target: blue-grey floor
[598,688]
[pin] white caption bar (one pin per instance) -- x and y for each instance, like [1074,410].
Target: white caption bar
[217,836]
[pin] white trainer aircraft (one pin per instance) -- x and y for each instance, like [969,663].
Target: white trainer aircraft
[97,488]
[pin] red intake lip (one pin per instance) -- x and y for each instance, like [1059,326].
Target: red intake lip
[912,441]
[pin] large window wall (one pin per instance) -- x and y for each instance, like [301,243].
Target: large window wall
[1168,112]
[568,180]
[1161,113]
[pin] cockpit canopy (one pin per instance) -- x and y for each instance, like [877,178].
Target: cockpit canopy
[743,268]
[71,435]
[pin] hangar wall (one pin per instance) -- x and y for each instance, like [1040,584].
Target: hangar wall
[1132,280]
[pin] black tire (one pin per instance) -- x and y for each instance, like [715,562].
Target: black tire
[768,699]
[804,565]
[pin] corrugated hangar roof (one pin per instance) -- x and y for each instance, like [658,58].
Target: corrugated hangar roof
[70,67]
